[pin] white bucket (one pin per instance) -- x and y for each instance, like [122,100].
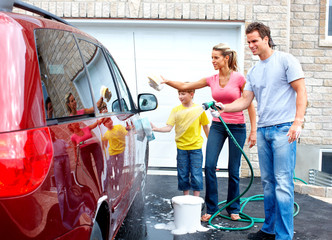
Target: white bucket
[187,214]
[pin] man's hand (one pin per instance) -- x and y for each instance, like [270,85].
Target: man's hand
[214,113]
[295,130]
[220,106]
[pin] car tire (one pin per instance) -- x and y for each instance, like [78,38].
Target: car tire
[96,233]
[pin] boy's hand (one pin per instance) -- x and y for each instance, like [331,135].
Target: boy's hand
[153,127]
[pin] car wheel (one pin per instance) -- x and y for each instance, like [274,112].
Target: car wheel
[96,232]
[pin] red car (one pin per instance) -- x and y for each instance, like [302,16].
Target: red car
[73,152]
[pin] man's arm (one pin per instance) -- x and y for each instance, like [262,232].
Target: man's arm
[301,105]
[241,103]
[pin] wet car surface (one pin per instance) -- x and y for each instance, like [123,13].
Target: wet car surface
[154,218]
[73,150]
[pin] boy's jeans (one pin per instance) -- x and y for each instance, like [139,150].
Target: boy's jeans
[277,162]
[189,166]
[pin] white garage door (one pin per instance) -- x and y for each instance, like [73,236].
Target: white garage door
[178,50]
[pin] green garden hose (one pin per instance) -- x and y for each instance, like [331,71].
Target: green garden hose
[243,201]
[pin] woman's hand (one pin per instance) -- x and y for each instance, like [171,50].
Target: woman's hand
[100,101]
[165,81]
[252,138]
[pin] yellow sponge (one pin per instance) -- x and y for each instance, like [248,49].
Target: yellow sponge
[155,82]
[105,93]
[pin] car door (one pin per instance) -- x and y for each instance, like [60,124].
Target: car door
[117,130]
[77,175]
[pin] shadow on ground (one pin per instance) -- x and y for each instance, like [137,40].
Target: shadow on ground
[153,219]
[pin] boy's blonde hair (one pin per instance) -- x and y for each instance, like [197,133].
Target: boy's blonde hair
[188,90]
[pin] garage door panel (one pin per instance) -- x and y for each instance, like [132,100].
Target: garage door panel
[177,50]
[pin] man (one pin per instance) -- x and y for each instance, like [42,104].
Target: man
[277,82]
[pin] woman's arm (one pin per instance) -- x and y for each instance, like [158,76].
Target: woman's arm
[75,147]
[98,122]
[91,109]
[253,128]
[185,85]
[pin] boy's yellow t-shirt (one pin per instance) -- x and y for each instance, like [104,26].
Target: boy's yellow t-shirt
[116,139]
[188,123]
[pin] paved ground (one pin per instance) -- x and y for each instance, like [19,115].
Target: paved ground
[154,219]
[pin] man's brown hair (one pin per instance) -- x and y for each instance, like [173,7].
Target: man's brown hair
[263,30]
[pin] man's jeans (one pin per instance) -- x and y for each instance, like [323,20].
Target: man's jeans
[277,162]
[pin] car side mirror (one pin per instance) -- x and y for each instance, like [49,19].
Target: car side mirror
[116,105]
[147,102]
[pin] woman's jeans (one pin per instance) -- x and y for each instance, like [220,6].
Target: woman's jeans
[63,182]
[277,162]
[216,139]
[89,153]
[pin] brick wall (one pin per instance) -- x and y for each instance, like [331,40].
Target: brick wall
[298,27]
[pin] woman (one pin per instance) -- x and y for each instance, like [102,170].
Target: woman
[71,204]
[88,148]
[226,86]
[71,105]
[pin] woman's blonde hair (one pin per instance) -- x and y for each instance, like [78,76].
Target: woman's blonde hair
[227,51]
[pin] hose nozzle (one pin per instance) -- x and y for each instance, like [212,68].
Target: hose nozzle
[207,105]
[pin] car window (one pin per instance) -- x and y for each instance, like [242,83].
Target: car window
[101,79]
[126,100]
[64,80]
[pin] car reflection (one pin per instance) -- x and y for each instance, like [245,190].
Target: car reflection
[74,200]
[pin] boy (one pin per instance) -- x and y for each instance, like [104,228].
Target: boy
[115,136]
[188,119]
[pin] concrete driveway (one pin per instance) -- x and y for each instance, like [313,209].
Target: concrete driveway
[154,219]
